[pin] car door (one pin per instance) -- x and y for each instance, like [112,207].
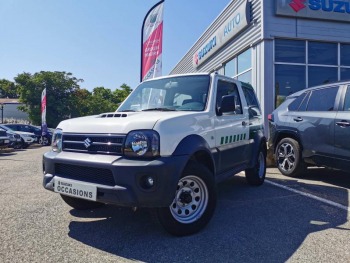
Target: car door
[231,129]
[342,132]
[314,124]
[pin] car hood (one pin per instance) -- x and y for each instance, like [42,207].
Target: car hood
[123,125]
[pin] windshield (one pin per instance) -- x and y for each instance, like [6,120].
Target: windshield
[5,128]
[188,93]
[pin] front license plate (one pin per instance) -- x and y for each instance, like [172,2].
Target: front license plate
[75,189]
[7,141]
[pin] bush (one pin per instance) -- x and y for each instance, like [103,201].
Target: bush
[15,121]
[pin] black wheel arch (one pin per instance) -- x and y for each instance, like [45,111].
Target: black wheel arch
[259,141]
[282,134]
[197,149]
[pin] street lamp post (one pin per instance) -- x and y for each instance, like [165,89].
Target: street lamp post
[2,112]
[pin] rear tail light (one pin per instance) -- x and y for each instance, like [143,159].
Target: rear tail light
[270,117]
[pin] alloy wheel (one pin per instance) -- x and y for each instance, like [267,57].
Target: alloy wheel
[286,157]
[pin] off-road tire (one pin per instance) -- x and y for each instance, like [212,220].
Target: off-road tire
[256,176]
[299,165]
[164,217]
[81,204]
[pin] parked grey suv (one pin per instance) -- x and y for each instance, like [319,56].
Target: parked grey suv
[312,127]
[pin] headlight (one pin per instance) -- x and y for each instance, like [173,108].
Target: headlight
[57,141]
[142,144]
[11,136]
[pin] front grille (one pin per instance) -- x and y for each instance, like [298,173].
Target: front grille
[94,143]
[3,133]
[84,173]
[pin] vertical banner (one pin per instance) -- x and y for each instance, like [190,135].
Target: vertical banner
[43,113]
[151,44]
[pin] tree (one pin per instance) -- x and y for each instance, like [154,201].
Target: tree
[64,98]
[60,89]
[8,89]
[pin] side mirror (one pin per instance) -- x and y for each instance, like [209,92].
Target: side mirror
[228,104]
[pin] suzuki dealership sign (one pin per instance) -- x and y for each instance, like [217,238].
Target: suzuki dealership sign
[337,10]
[238,21]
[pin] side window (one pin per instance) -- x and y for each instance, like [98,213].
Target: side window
[294,106]
[252,102]
[304,103]
[347,100]
[26,128]
[227,88]
[13,127]
[181,99]
[322,99]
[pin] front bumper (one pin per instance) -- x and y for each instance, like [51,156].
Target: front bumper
[127,191]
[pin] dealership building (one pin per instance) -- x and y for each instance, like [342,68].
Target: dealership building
[278,46]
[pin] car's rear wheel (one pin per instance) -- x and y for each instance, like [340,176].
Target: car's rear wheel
[80,204]
[256,175]
[288,158]
[194,203]
[44,141]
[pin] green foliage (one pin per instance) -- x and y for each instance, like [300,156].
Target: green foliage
[8,89]
[64,97]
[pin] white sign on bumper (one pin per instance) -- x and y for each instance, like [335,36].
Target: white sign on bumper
[75,189]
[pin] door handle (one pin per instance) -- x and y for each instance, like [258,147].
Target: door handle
[298,119]
[343,124]
[244,123]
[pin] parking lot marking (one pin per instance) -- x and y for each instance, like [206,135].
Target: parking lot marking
[343,207]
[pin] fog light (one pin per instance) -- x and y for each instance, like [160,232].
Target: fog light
[150,181]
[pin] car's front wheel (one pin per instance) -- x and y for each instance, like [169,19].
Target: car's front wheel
[80,204]
[194,203]
[288,158]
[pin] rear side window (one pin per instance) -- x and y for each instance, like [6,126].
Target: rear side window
[322,99]
[252,102]
[304,103]
[250,97]
[294,106]
[347,100]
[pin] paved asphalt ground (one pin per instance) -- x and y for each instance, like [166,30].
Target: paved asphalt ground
[263,224]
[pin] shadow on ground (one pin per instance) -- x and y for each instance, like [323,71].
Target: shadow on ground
[251,224]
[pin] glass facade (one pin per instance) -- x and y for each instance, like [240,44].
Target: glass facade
[301,64]
[240,67]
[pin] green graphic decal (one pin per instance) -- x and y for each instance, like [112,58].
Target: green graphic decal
[233,138]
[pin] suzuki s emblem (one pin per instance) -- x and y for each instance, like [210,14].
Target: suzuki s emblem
[87,143]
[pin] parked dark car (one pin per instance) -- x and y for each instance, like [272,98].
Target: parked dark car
[4,139]
[44,140]
[15,140]
[312,128]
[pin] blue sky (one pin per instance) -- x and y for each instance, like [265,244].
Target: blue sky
[96,40]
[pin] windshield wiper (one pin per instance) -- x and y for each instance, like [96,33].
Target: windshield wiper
[127,111]
[159,109]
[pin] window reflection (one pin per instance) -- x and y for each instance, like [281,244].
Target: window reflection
[292,51]
[322,75]
[289,79]
[323,53]
[245,61]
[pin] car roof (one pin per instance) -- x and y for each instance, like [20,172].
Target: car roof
[320,86]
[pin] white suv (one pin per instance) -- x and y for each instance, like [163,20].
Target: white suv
[165,148]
